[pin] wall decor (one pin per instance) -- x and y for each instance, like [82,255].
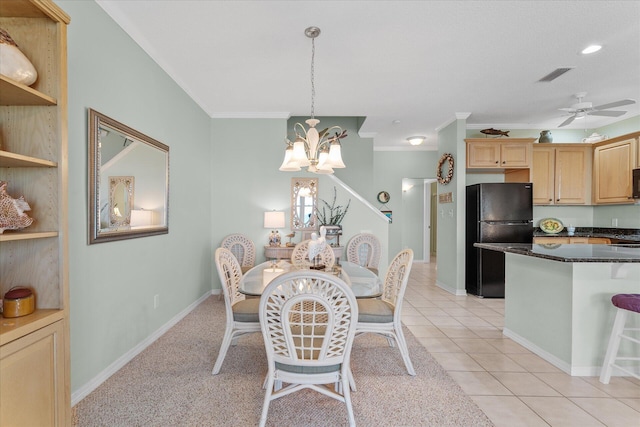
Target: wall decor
[383,197]
[123,161]
[388,214]
[446,157]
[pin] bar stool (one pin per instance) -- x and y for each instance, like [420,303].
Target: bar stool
[626,303]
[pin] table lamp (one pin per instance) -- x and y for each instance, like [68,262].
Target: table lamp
[274,220]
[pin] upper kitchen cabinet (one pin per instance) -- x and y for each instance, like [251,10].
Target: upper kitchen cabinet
[34,348]
[613,162]
[561,174]
[499,153]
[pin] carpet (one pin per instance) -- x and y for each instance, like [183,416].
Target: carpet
[170,384]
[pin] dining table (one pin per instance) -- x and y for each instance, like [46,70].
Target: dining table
[363,282]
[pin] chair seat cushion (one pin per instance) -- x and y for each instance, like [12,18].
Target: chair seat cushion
[296,369]
[374,311]
[629,302]
[246,310]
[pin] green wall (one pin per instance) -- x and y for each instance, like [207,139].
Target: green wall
[112,285]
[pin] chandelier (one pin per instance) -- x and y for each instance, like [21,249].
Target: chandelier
[318,151]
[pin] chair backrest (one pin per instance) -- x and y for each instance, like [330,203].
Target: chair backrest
[230,274]
[396,279]
[364,249]
[242,248]
[300,255]
[308,318]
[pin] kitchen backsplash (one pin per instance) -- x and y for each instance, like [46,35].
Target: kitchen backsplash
[620,216]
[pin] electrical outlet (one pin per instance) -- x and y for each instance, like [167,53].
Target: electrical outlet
[156,301]
[614,222]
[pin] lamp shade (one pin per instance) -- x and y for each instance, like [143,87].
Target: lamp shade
[274,219]
[141,217]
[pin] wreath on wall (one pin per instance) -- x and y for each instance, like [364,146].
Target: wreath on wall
[445,158]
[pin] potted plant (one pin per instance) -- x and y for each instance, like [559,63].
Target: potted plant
[330,216]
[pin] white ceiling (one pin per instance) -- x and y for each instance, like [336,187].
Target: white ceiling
[416,62]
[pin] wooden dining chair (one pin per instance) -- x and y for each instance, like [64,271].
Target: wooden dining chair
[383,316]
[308,321]
[241,313]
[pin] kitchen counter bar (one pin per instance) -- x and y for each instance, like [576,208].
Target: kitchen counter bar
[558,299]
[621,253]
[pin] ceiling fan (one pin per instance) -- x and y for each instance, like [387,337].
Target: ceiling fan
[582,109]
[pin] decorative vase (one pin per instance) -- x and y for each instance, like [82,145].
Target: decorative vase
[545,136]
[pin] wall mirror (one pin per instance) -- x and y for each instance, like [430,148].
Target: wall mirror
[128,182]
[304,196]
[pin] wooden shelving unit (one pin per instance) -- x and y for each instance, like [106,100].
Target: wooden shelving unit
[34,349]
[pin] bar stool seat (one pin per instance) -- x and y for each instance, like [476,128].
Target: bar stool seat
[625,303]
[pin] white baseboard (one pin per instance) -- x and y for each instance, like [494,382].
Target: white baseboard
[581,371]
[86,389]
[456,292]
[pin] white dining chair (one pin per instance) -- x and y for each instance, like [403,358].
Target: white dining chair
[364,249]
[242,248]
[383,316]
[300,255]
[308,321]
[241,313]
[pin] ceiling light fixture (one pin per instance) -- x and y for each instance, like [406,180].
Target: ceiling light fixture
[591,49]
[416,140]
[319,151]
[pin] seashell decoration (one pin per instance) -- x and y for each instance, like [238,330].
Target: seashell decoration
[12,216]
[13,63]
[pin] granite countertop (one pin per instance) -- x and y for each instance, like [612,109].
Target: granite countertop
[617,235]
[570,252]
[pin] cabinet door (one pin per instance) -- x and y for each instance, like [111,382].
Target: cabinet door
[481,155]
[550,240]
[515,155]
[543,175]
[571,175]
[612,172]
[32,385]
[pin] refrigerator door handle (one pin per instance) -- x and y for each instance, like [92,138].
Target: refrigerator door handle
[508,222]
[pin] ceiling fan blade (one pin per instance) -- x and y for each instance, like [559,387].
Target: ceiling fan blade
[615,104]
[566,122]
[613,113]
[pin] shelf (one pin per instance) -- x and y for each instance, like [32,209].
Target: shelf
[12,236]
[14,93]
[13,160]
[32,9]
[16,327]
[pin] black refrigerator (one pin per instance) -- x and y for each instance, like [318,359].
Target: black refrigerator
[496,213]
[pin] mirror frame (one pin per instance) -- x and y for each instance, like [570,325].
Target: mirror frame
[97,234]
[296,185]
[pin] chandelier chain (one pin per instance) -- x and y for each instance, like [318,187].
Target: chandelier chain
[313,87]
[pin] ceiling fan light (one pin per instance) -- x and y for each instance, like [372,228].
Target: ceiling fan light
[591,49]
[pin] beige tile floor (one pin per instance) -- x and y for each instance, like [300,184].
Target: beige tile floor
[513,386]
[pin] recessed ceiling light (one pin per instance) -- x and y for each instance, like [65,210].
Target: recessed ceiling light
[591,49]
[416,140]
[396,122]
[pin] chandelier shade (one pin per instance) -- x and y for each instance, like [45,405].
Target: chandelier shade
[319,151]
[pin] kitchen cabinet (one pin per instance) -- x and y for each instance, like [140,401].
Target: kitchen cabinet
[613,161]
[499,153]
[561,174]
[34,349]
